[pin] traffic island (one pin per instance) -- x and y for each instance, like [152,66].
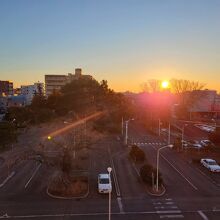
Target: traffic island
[150,176]
[69,187]
[153,192]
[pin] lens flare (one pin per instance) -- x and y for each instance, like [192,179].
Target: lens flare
[165,84]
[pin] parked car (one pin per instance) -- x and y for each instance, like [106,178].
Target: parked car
[104,183]
[185,143]
[210,164]
[194,144]
[206,143]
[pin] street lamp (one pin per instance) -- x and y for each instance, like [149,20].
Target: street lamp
[169,133]
[126,130]
[159,124]
[109,169]
[122,126]
[183,133]
[158,153]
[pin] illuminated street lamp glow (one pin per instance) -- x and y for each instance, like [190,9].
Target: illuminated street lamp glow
[49,137]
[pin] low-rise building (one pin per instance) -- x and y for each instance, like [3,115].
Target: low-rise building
[6,88]
[29,91]
[16,101]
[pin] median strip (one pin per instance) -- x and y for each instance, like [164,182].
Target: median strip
[114,175]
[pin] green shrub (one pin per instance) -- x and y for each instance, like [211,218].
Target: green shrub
[146,172]
[137,154]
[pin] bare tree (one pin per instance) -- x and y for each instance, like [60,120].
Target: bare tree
[151,86]
[180,86]
[188,93]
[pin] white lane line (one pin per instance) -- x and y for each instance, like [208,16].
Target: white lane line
[32,176]
[8,178]
[173,207]
[203,215]
[120,205]
[208,177]
[191,184]
[72,215]
[171,216]
[136,170]
[169,203]
[169,212]
[117,188]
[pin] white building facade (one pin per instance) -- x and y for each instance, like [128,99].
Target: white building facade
[29,91]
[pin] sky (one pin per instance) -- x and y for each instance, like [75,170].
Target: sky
[126,42]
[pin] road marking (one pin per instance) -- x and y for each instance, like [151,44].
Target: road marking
[8,178]
[34,173]
[208,177]
[120,205]
[193,186]
[73,214]
[169,212]
[171,216]
[136,170]
[173,207]
[169,203]
[159,207]
[203,215]
[114,175]
[169,199]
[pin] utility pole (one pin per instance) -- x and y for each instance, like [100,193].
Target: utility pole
[122,126]
[169,134]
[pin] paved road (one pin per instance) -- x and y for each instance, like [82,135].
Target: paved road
[189,195]
[190,188]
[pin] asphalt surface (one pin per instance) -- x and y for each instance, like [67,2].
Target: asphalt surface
[189,193]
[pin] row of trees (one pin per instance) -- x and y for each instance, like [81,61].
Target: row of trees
[80,96]
[7,134]
[185,93]
[147,171]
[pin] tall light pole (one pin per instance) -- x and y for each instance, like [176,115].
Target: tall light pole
[158,153]
[109,169]
[169,133]
[159,124]
[122,126]
[183,129]
[126,130]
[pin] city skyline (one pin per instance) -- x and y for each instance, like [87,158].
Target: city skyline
[124,42]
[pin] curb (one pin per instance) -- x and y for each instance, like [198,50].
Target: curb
[152,194]
[75,197]
[161,194]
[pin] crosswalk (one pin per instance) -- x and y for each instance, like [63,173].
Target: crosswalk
[166,208]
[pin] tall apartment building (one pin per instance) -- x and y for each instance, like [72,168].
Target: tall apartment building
[55,82]
[6,88]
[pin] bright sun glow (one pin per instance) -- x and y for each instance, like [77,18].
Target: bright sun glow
[165,84]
